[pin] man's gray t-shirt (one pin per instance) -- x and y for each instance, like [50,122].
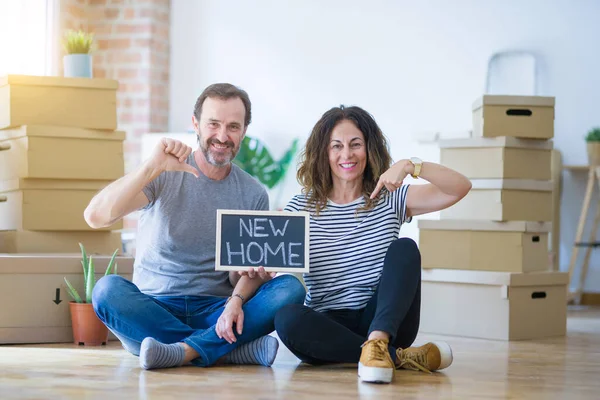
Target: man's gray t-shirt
[176,239]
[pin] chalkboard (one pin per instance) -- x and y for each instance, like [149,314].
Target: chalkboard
[275,240]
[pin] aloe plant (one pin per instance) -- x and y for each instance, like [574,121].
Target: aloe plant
[254,158]
[89,276]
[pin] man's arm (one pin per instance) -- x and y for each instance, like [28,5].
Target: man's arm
[120,197]
[125,195]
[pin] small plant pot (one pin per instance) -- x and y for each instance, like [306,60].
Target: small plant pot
[77,65]
[593,150]
[88,330]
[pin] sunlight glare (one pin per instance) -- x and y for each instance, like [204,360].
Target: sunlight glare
[23,31]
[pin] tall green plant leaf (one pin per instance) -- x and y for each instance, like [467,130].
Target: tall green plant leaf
[73,292]
[110,264]
[90,282]
[84,262]
[254,158]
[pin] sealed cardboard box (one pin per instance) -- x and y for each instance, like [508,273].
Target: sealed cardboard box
[498,158]
[504,200]
[48,204]
[517,116]
[494,305]
[514,246]
[52,152]
[101,242]
[52,100]
[28,292]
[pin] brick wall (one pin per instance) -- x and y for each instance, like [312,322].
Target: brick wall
[132,38]
[72,16]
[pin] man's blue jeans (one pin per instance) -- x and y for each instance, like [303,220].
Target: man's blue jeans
[132,315]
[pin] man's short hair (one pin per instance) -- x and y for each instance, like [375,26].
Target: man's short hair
[224,91]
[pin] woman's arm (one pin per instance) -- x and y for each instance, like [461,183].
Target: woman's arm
[446,187]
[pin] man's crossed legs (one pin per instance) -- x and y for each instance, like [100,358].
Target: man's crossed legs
[134,316]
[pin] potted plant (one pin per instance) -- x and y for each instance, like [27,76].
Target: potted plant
[593,146]
[87,327]
[78,61]
[254,158]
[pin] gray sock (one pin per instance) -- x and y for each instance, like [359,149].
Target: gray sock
[154,354]
[261,351]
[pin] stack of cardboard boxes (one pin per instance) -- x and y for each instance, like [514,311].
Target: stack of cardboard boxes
[58,147]
[486,269]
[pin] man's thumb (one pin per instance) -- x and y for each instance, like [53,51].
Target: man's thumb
[191,170]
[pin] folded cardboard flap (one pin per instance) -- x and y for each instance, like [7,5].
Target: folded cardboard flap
[495,278]
[10,185]
[500,141]
[512,184]
[69,263]
[482,225]
[64,132]
[41,80]
[507,100]
[55,242]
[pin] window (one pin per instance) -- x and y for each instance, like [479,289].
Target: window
[27,40]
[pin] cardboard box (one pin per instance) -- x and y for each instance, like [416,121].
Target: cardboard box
[494,305]
[52,152]
[52,100]
[514,246]
[517,116]
[48,204]
[28,286]
[504,200]
[498,158]
[101,242]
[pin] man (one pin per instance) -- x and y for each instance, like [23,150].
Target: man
[178,309]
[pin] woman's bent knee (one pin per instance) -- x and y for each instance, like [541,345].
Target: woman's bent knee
[405,244]
[405,249]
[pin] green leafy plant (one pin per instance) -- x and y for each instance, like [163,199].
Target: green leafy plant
[254,158]
[593,135]
[78,42]
[89,276]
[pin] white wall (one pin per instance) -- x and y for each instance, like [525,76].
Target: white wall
[416,66]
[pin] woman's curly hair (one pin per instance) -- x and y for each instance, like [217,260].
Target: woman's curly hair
[314,173]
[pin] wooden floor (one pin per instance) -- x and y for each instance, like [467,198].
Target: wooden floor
[560,368]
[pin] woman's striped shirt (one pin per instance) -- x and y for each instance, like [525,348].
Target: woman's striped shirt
[347,249]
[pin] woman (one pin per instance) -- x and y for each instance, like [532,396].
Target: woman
[364,288]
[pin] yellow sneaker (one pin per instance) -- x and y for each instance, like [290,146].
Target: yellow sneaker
[375,363]
[427,358]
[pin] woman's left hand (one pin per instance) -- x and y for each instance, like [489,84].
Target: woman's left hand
[393,178]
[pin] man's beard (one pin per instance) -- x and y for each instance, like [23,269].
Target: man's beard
[205,147]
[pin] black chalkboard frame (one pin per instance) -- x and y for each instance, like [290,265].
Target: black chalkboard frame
[294,214]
